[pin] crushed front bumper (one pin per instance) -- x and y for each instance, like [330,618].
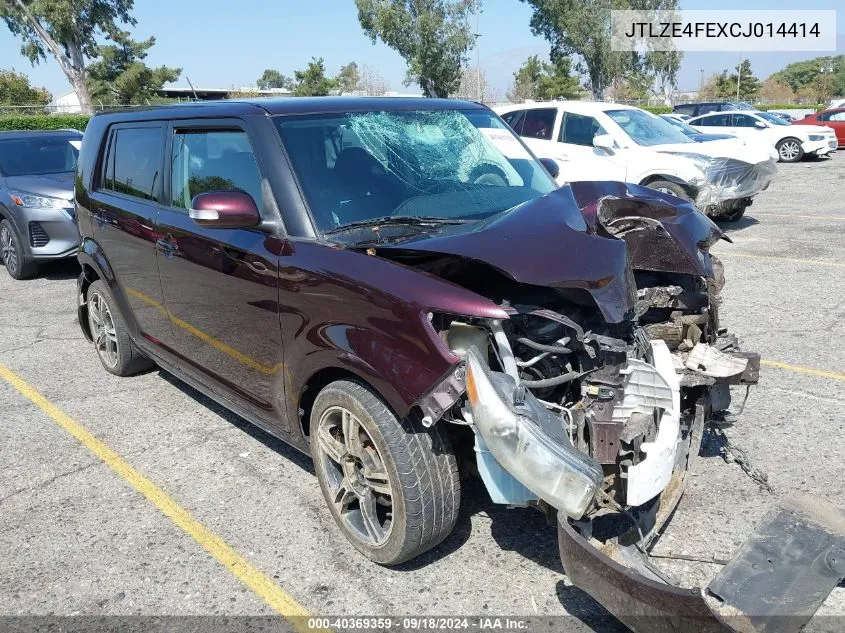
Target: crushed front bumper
[775,583]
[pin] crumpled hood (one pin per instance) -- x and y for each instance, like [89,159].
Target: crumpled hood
[543,242]
[58,185]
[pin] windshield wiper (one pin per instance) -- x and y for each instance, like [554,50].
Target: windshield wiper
[398,220]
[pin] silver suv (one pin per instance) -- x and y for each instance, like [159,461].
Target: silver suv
[37,216]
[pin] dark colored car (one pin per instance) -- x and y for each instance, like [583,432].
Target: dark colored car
[697,109]
[37,216]
[834,118]
[397,287]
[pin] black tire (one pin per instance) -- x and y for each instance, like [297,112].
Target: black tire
[115,348]
[416,464]
[735,214]
[672,188]
[17,263]
[792,144]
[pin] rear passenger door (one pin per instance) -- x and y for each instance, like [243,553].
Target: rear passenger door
[127,195]
[221,285]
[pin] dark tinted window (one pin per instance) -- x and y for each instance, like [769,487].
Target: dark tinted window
[579,129]
[515,120]
[685,109]
[704,108]
[539,124]
[36,156]
[743,120]
[133,162]
[723,120]
[212,160]
[833,115]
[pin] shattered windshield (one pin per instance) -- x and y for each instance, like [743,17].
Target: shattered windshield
[440,165]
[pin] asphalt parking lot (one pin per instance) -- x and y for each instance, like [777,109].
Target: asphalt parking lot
[140,496]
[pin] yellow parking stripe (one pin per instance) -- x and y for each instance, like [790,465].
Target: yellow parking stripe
[833,375]
[249,575]
[793,260]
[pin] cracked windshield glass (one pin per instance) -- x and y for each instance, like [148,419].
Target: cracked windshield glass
[443,166]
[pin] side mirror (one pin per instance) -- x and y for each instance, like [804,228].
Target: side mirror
[551,166]
[760,125]
[224,210]
[604,141]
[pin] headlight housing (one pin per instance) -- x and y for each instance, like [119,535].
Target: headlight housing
[529,441]
[33,201]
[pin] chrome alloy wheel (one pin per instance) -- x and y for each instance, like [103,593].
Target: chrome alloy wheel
[102,329]
[358,482]
[8,250]
[789,150]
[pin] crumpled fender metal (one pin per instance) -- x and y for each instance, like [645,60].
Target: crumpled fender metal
[775,583]
[663,233]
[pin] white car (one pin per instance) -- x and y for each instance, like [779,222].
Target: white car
[609,141]
[792,142]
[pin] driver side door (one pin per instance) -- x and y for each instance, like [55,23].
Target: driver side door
[579,159]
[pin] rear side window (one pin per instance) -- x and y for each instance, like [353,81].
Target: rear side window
[212,160]
[709,107]
[722,120]
[133,162]
[578,129]
[838,115]
[685,109]
[539,124]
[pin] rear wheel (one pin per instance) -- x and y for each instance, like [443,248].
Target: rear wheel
[789,150]
[114,346]
[12,254]
[391,485]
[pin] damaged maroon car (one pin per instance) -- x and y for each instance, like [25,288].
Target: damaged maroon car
[398,287]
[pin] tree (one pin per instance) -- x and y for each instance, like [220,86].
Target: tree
[272,78]
[371,83]
[348,78]
[776,91]
[68,30]
[433,36]
[474,85]
[119,76]
[664,67]
[15,90]
[742,84]
[312,82]
[582,28]
[826,72]
[538,80]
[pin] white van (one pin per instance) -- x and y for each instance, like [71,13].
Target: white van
[609,141]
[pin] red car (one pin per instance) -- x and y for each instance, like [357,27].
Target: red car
[834,118]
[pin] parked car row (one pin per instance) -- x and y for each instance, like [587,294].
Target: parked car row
[400,289]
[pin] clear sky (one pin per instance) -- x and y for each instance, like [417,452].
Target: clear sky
[225,43]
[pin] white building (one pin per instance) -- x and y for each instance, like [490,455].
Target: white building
[66,104]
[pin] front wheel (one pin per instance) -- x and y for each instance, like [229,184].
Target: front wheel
[12,254]
[789,150]
[391,485]
[672,188]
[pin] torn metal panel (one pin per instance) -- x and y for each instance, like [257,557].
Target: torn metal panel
[711,362]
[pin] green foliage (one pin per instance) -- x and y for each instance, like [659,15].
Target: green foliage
[749,85]
[16,90]
[546,82]
[119,76]
[433,36]
[44,122]
[656,109]
[792,106]
[312,82]
[818,78]
[349,78]
[272,78]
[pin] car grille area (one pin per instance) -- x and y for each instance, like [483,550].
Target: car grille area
[37,235]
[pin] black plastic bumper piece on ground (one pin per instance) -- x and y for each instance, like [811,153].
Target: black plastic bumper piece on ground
[775,584]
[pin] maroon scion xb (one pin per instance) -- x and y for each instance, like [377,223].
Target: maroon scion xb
[397,287]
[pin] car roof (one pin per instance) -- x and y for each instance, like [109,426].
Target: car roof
[25,134]
[287,105]
[578,107]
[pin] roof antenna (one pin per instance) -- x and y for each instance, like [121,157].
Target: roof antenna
[429,84]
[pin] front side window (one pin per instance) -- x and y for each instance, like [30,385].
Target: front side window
[539,124]
[133,162]
[743,120]
[578,129]
[515,120]
[647,129]
[371,166]
[212,160]
[37,156]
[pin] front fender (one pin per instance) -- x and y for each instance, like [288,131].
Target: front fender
[663,233]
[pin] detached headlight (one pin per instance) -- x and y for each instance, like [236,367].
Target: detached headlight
[816,137]
[529,441]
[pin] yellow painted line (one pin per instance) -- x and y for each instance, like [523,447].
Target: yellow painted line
[249,575]
[801,217]
[793,260]
[820,373]
[220,346]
